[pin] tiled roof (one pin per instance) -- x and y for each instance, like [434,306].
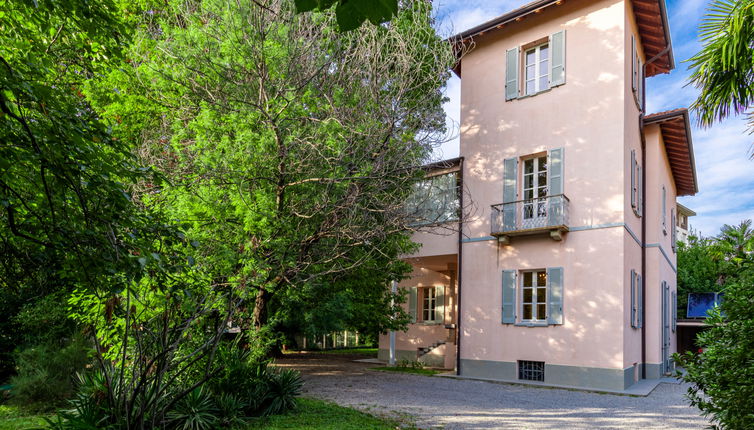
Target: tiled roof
[651,19]
[676,134]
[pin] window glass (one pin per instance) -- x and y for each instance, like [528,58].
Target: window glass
[534,296]
[537,69]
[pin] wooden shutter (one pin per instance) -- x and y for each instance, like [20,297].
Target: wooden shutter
[639,192]
[674,310]
[412,303]
[555,295]
[639,302]
[555,210]
[509,296]
[557,61]
[634,307]
[511,73]
[510,188]
[633,178]
[640,84]
[439,304]
[634,65]
[673,230]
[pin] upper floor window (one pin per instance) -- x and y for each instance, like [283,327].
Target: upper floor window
[535,67]
[637,188]
[534,187]
[434,200]
[637,74]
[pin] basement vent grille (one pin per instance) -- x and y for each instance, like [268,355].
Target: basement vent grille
[531,370]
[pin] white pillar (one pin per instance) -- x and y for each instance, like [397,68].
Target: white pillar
[393,289]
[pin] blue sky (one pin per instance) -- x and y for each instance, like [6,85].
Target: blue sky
[724,170]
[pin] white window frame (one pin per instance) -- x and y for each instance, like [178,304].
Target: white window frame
[536,199]
[535,303]
[537,68]
[429,304]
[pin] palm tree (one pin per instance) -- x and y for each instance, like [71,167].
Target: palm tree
[724,69]
[736,243]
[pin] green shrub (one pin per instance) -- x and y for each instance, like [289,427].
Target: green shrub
[196,411]
[46,373]
[722,376]
[283,386]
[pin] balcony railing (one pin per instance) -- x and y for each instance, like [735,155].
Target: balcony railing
[531,217]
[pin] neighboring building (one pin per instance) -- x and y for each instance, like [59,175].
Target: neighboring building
[682,223]
[566,274]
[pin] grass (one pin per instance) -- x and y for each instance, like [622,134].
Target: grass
[310,414]
[15,418]
[399,369]
[317,414]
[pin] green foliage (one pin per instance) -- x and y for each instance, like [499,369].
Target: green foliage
[196,411]
[352,13]
[722,377]
[722,69]
[699,270]
[45,373]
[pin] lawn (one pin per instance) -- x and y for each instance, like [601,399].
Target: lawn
[310,414]
[14,418]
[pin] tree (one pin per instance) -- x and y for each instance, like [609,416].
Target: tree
[722,70]
[289,148]
[352,13]
[700,270]
[722,376]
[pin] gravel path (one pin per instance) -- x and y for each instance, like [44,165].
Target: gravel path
[436,402]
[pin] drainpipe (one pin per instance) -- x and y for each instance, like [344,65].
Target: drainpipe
[644,209]
[459,275]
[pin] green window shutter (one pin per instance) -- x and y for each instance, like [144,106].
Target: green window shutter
[439,304]
[640,84]
[672,230]
[555,295]
[556,171]
[511,73]
[633,178]
[639,192]
[510,175]
[634,65]
[674,310]
[412,303]
[557,50]
[634,307]
[639,299]
[509,296]
[555,210]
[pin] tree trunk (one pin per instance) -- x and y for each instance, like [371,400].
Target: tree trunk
[260,308]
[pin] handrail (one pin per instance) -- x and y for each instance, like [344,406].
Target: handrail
[531,199]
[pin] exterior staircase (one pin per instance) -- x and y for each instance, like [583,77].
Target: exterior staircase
[426,349]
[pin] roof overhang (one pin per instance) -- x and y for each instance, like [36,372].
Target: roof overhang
[683,210]
[442,167]
[676,134]
[651,19]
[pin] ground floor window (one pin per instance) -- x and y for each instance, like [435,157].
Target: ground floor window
[531,370]
[429,303]
[534,295]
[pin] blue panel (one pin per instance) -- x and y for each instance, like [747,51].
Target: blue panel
[699,304]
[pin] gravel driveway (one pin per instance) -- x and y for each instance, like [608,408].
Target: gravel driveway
[437,402]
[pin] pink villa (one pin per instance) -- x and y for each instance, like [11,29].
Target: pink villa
[564,274]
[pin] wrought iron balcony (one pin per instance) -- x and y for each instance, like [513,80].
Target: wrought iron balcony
[533,216]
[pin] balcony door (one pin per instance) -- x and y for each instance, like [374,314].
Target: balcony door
[535,188]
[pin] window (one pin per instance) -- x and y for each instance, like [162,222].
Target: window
[534,296]
[534,190]
[434,200]
[429,304]
[531,370]
[537,69]
[637,75]
[664,212]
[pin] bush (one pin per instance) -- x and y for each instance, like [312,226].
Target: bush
[722,376]
[46,373]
